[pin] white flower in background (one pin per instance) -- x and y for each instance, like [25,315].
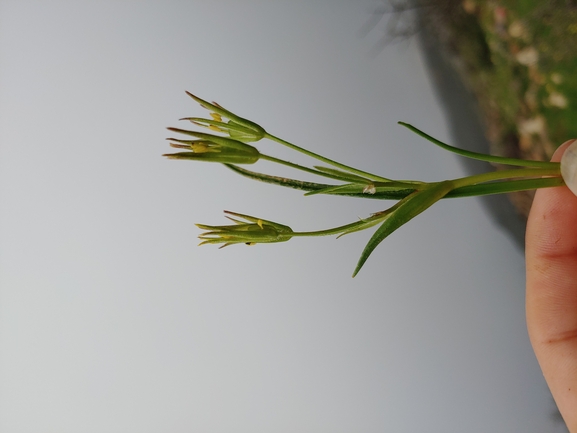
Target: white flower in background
[558,100]
[536,125]
[527,56]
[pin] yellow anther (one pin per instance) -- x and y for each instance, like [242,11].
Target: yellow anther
[259,222]
[215,128]
[199,147]
[216,117]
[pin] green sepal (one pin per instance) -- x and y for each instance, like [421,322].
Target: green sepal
[217,139]
[233,129]
[224,157]
[239,132]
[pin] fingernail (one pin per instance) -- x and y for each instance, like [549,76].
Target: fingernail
[569,167]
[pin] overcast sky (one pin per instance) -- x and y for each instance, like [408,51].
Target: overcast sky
[113,320]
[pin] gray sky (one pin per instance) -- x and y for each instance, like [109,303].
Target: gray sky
[111,319]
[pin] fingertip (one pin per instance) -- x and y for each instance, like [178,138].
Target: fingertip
[569,165]
[551,235]
[554,209]
[561,150]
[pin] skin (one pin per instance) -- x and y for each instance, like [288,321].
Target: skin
[551,301]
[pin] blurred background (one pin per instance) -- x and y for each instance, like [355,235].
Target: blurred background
[111,319]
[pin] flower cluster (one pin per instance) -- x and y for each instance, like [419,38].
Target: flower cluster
[214,148]
[231,148]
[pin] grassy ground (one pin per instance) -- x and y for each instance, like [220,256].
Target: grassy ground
[519,57]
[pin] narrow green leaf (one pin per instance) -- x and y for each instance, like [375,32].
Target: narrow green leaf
[402,212]
[476,155]
[390,190]
[395,194]
[349,188]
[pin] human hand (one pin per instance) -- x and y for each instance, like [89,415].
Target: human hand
[551,302]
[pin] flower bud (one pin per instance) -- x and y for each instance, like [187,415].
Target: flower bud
[236,127]
[251,231]
[213,148]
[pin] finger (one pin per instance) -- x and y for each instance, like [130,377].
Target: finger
[551,302]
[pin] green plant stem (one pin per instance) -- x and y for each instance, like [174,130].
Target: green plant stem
[505,187]
[369,222]
[326,160]
[508,174]
[303,168]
